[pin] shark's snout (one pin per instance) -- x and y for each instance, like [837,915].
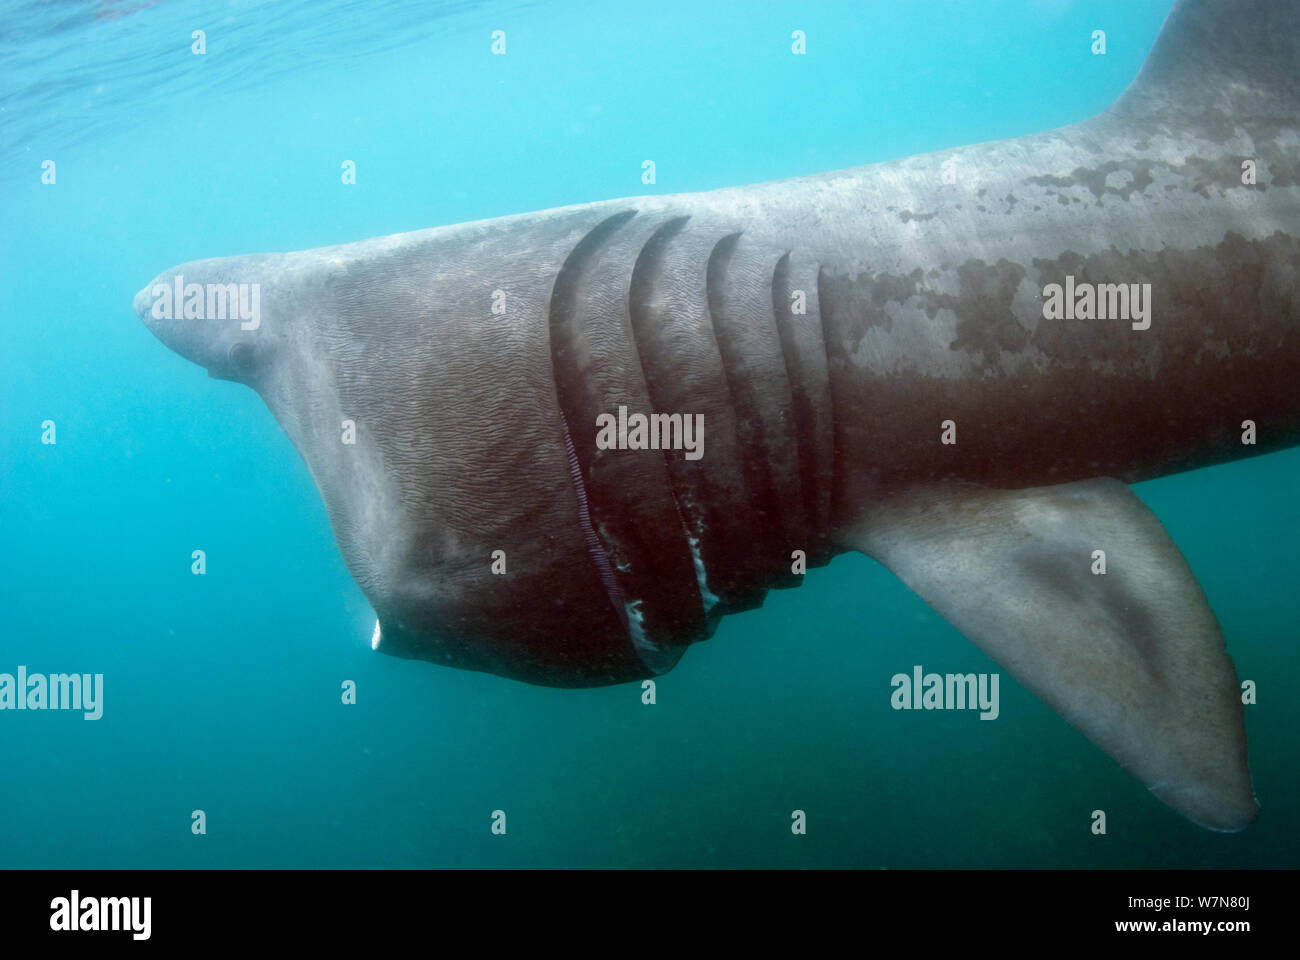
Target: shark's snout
[206,312]
[143,304]
[163,314]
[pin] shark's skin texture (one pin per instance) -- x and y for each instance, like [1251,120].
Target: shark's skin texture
[921,283]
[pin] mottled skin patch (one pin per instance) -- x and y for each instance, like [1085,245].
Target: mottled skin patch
[982,306]
[1095,179]
[1095,396]
[986,324]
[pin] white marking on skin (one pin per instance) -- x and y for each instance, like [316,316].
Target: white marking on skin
[375,637]
[701,577]
[636,628]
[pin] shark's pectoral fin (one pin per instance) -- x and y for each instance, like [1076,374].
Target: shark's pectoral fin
[1132,657]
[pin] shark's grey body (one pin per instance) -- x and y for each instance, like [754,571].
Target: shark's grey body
[833,331]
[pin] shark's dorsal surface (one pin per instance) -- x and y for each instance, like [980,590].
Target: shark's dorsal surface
[953,363]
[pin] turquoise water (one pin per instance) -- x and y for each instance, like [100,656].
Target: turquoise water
[222,692]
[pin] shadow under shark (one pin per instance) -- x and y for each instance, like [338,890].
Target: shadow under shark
[882,361]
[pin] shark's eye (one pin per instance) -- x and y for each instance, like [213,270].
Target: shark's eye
[240,356]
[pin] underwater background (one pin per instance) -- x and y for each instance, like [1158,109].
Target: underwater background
[222,692]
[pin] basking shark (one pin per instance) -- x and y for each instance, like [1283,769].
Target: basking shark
[561,446]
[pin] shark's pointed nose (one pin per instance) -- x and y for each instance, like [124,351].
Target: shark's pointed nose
[143,302]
